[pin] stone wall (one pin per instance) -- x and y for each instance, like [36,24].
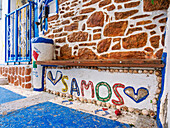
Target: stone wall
[108,29]
[18,75]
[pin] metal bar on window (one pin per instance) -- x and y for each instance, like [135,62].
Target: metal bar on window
[26,32]
[23,6]
[10,13]
[16,36]
[30,18]
[19,33]
[6,28]
[13,34]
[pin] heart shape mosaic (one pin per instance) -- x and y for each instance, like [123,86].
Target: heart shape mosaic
[142,93]
[58,77]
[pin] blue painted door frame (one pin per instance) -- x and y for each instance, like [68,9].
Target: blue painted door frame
[13,47]
[35,15]
[13,39]
[36,18]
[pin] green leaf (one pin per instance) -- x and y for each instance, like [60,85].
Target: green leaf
[152,1]
[70,100]
[151,101]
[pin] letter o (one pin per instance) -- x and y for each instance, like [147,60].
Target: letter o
[103,99]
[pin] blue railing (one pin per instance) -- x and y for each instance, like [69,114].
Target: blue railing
[19,29]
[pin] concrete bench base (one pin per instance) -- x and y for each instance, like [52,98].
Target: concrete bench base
[3,81]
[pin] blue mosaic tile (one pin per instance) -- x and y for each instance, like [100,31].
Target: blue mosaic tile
[50,115]
[8,96]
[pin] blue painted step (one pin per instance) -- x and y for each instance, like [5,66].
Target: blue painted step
[8,96]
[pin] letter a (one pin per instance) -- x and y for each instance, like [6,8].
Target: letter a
[76,89]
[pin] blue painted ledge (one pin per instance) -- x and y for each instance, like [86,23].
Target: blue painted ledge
[8,96]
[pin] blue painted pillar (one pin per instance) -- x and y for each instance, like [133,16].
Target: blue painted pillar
[57,6]
[9,6]
[36,18]
[6,34]
[16,36]
[7,26]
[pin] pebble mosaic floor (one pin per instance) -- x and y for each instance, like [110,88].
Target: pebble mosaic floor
[52,115]
[49,115]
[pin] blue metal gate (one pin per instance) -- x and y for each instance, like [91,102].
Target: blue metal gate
[19,29]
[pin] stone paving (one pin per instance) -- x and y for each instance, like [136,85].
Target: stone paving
[36,110]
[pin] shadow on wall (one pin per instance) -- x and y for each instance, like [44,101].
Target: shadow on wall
[144,122]
[165,112]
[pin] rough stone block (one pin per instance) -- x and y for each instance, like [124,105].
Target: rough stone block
[150,26]
[155,41]
[87,10]
[87,44]
[65,52]
[28,71]
[140,16]
[23,71]
[57,30]
[55,17]
[79,18]
[132,4]
[131,30]
[125,55]
[143,22]
[103,45]
[121,1]
[29,85]
[162,20]
[60,40]
[124,15]
[97,36]
[27,78]
[65,22]
[91,2]
[69,14]
[96,19]
[115,28]
[135,41]
[85,53]
[71,27]
[104,3]
[51,36]
[155,17]
[78,36]
[159,53]
[116,46]
[16,83]
[110,8]
[158,5]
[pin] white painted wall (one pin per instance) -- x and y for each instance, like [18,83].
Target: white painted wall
[2,31]
[52,6]
[136,81]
